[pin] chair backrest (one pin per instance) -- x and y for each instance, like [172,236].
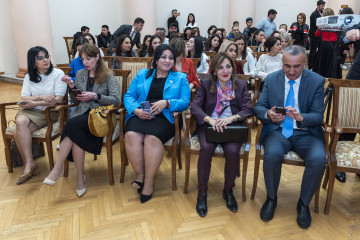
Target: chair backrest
[195,61]
[210,54]
[66,70]
[244,77]
[121,77]
[253,48]
[202,76]
[69,43]
[105,50]
[108,60]
[257,54]
[346,104]
[138,50]
[134,64]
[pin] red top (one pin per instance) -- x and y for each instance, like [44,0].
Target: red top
[327,36]
[187,66]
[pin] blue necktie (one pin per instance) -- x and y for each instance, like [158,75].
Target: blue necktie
[288,124]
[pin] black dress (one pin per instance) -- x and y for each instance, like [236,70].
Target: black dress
[77,129]
[159,126]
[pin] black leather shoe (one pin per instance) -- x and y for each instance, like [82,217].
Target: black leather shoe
[145,198]
[231,203]
[304,216]
[340,176]
[201,206]
[267,210]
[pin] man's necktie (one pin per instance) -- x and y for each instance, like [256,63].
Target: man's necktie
[288,124]
[132,35]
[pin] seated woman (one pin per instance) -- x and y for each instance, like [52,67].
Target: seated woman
[258,40]
[183,64]
[271,61]
[219,101]
[147,131]
[123,49]
[42,87]
[213,43]
[191,21]
[145,45]
[299,31]
[155,41]
[194,48]
[77,64]
[98,88]
[210,31]
[245,53]
[285,40]
[187,33]
[91,40]
[231,49]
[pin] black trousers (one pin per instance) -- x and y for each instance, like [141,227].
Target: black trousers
[314,44]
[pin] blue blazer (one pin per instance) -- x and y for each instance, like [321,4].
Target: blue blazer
[311,101]
[176,90]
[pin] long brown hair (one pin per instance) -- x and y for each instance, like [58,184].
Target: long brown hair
[101,72]
[216,61]
[244,52]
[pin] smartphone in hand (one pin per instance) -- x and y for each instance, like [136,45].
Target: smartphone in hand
[76,91]
[281,110]
[147,107]
[22,102]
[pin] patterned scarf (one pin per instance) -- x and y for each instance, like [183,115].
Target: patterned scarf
[224,97]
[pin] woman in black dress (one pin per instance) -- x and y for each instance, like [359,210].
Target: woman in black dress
[98,88]
[164,91]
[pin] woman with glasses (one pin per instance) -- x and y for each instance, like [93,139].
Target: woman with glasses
[42,87]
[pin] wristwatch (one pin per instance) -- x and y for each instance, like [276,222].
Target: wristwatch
[238,117]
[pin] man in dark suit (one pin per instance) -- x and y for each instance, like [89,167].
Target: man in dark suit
[302,93]
[314,41]
[132,30]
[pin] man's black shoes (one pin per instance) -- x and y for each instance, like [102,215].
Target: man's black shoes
[304,216]
[267,210]
[201,206]
[231,203]
[340,176]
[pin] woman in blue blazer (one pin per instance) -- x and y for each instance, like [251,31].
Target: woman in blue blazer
[164,92]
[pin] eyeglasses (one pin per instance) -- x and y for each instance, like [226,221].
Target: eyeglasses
[41,58]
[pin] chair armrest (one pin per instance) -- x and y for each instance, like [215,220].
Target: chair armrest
[122,112]
[257,87]
[188,117]
[249,124]
[260,125]
[3,115]
[328,129]
[335,139]
[7,104]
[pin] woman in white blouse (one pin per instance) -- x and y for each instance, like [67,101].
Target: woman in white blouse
[191,21]
[245,53]
[194,48]
[42,86]
[271,61]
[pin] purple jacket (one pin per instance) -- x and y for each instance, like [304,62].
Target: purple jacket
[204,102]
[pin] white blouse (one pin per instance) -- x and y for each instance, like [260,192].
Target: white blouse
[249,66]
[268,64]
[204,65]
[191,25]
[50,84]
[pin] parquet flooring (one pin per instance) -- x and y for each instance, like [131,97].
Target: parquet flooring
[37,211]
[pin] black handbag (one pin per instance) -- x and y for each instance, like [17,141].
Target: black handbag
[234,132]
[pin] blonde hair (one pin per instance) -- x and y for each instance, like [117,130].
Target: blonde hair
[226,44]
[328,12]
[286,36]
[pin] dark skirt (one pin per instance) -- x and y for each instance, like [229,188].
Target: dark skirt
[77,129]
[327,60]
[159,127]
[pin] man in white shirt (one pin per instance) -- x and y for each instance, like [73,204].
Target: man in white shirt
[301,92]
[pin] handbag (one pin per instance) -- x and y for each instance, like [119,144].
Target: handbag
[234,132]
[97,120]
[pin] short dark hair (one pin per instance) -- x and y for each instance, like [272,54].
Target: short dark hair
[257,31]
[347,10]
[320,2]
[139,20]
[173,25]
[158,51]
[31,59]
[252,30]
[249,19]
[272,11]
[84,28]
[81,41]
[173,10]
[270,42]
[105,26]
[234,22]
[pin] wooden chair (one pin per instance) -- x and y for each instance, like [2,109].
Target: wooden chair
[210,54]
[138,50]
[105,50]
[195,61]
[109,61]
[257,54]
[192,146]
[134,64]
[344,155]
[121,77]
[44,135]
[291,158]
[69,43]
[173,145]
[253,48]
[66,70]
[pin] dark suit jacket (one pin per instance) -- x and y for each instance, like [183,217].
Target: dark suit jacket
[354,72]
[310,97]
[124,29]
[204,102]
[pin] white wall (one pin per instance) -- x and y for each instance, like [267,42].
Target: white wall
[8,57]
[67,17]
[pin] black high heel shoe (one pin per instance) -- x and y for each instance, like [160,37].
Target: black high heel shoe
[145,198]
[140,185]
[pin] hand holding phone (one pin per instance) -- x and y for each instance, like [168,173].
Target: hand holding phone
[22,102]
[76,91]
[146,106]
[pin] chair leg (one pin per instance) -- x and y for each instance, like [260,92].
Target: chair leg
[173,168]
[8,157]
[245,165]
[179,155]
[110,161]
[316,203]
[66,168]
[95,157]
[238,174]
[330,189]
[50,154]
[326,178]
[256,173]
[123,161]
[42,149]
[187,169]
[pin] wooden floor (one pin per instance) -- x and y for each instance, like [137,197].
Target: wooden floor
[37,211]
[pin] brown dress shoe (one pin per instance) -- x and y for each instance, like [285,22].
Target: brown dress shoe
[26,177]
